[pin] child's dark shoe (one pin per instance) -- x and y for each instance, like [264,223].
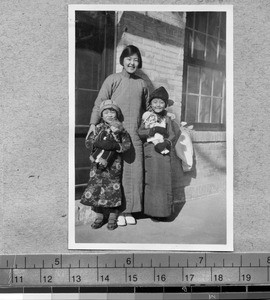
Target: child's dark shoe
[97,223]
[112,224]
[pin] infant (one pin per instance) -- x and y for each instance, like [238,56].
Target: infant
[150,120]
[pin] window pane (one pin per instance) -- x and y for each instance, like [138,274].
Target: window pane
[216,110]
[206,79]
[191,109]
[205,109]
[199,45]
[211,51]
[84,105]
[88,68]
[201,21]
[188,42]
[190,18]
[193,85]
[213,25]
[218,84]
[224,112]
[223,26]
[222,52]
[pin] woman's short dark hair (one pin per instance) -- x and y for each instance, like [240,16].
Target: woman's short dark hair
[128,51]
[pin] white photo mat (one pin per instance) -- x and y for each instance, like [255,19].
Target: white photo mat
[229,131]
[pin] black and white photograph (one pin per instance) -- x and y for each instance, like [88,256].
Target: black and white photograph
[151,127]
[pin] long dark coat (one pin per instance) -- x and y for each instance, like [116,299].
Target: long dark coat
[130,93]
[158,193]
[104,188]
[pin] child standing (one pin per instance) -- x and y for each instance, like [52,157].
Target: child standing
[104,189]
[158,197]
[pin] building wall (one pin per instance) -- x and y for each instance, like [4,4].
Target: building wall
[160,38]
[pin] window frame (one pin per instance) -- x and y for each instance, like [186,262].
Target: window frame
[195,62]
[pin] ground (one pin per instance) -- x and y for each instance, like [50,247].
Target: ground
[198,221]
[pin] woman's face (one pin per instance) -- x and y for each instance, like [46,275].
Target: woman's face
[131,63]
[158,105]
[109,115]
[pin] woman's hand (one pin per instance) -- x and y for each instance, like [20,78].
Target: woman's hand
[91,129]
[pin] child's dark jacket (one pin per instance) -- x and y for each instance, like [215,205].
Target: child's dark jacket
[104,185]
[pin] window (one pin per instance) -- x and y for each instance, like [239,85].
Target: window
[204,79]
[94,61]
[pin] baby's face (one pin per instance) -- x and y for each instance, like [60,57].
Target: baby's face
[152,119]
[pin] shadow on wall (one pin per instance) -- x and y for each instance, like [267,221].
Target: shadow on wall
[217,161]
[148,81]
[150,28]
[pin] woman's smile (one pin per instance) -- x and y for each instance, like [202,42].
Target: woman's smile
[131,63]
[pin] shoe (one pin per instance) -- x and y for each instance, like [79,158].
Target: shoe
[130,220]
[121,221]
[112,224]
[98,223]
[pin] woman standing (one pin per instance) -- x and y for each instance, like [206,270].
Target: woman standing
[130,93]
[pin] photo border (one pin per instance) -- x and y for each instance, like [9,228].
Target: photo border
[229,129]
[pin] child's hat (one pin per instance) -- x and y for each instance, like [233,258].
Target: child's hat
[109,104]
[160,93]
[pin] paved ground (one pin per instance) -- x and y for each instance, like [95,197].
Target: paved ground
[199,221]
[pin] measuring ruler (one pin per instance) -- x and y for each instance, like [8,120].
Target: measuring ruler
[158,271]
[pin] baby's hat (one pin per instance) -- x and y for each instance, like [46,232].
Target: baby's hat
[109,104]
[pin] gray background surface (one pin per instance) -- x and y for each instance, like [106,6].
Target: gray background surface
[34,124]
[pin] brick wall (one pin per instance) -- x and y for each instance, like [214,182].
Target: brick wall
[160,38]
